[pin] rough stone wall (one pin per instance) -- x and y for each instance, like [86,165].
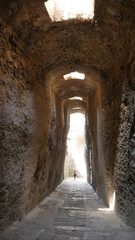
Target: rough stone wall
[118,113]
[101,168]
[92,131]
[28,134]
[124,169]
[17,125]
[95,143]
[111,99]
[88,150]
[58,151]
[43,144]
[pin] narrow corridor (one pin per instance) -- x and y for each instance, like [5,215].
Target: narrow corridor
[72,212]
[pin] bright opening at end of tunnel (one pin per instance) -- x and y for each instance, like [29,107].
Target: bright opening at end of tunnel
[62,9]
[75,156]
[74,75]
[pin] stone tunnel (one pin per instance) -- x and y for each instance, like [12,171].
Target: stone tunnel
[36,52]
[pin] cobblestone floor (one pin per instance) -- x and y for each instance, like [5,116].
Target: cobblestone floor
[72,212]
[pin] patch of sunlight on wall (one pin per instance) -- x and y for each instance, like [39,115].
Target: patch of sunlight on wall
[76,142]
[111,205]
[74,75]
[69,9]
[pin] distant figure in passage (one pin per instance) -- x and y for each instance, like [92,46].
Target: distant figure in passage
[75,175]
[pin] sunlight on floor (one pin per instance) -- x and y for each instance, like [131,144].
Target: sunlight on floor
[105,209]
[63,10]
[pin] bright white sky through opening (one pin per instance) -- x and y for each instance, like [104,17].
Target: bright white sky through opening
[74,75]
[69,9]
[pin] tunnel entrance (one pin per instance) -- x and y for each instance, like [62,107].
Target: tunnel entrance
[75,155]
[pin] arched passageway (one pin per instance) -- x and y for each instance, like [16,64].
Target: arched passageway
[36,100]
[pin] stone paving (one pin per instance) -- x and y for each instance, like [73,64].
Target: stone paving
[72,212]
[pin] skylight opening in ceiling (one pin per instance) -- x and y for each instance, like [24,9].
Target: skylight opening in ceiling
[75,98]
[70,9]
[76,108]
[74,75]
